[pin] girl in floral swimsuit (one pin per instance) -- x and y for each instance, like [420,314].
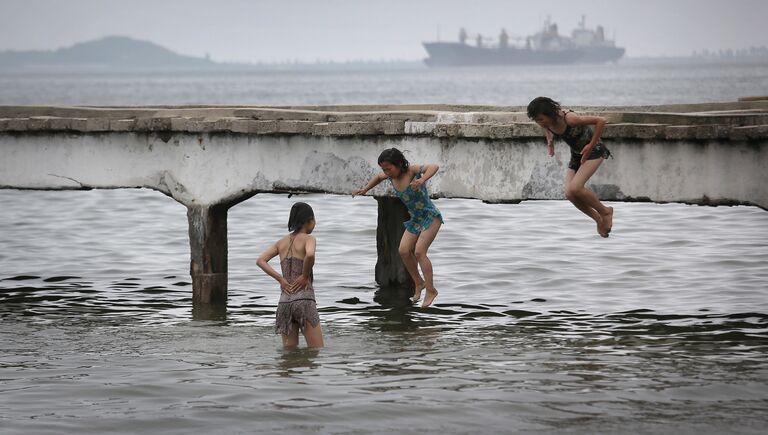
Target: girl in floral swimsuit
[409,182]
[297,309]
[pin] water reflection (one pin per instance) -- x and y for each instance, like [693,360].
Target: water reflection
[530,335]
[34,297]
[212,311]
[292,362]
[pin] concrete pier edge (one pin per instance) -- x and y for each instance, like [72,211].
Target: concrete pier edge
[209,158]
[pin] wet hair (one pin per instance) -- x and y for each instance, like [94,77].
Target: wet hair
[301,213]
[394,156]
[543,106]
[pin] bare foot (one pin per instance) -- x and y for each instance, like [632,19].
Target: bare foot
[431,295]
[601,228]
[607,219]
[417,292]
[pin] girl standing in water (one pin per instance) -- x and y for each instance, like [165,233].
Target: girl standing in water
[409,182]
[297,309]
[587,153]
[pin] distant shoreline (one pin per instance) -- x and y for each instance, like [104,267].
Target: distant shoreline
[119,54]
[357,66]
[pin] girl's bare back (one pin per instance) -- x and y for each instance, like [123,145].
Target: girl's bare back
[299,248]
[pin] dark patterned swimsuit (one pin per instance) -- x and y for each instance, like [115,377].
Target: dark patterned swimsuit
[295,309]
[577,137]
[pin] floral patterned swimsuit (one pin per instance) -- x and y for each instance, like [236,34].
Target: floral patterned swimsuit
[420,207]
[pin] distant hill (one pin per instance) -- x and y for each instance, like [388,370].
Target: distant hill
[111,52]
[121,53]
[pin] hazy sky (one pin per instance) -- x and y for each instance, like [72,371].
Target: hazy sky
[307,30]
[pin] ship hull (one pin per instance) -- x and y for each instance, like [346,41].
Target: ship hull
[601,54]
[443,54]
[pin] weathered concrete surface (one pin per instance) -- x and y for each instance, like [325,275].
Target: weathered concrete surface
[494,122]
[210,158]
[211,169]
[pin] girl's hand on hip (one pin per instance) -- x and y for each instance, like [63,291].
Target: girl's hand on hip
[585,153]
[300,284]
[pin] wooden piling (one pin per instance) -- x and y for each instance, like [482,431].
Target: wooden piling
[208,247]
[390,270]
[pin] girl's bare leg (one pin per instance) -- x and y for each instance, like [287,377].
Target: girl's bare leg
[589,197]
[576,201]
[580,180]
[407,245]
[313,335]
[292,340]
[585,199]
[422,246]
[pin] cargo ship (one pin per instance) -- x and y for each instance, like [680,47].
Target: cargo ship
[545,47]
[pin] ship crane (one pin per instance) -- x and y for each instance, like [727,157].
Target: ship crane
[478,37]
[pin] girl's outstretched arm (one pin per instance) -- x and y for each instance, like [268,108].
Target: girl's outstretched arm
[309,261]
[427,171]
[263,263]
[378,178]
[550,142]
[597,121]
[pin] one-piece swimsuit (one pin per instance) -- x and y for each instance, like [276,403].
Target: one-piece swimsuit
[295,309]
[419,206]
[577,137]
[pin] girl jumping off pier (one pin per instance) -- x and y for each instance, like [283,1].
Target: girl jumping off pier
[587,153]
[297,309]
[409,182]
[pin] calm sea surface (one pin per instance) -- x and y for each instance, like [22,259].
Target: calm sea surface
[620,84]
[541,326]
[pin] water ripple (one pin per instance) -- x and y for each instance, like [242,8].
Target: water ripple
[541,326]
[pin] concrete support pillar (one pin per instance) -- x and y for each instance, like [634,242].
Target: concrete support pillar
[208,244]
[390,270]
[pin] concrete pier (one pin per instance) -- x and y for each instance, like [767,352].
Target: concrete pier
[208,244]
[211,158]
